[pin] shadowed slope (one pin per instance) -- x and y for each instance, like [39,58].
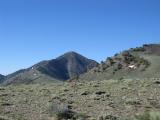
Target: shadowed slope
[1,78]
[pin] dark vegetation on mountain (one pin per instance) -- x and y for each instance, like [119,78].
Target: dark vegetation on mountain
[65,67]
[1,78]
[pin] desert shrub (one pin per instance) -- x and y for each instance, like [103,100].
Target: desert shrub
[125,53]
[116,54]
[128,59]
[121,78]
[154,115]
[107,117]
[118,58]
[63,112]
[142,61]
[139,49]
[80,117]
[110,61]
[126,119]
[119,66]
[108,58]
[3,118]
[133,102]
[103,66]
[102,62]
[145,116]
[59,110]
[70,115]
[149,116]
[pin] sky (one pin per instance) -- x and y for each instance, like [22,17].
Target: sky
[36,30]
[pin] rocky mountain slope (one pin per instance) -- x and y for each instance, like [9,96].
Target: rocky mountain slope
[65,67]
[140,62]
[1,78]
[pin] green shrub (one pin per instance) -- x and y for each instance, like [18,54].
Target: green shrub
[145,116]
[110,61]
[63,112]
[3,118]
[139,49]
[149,116]
[154,115]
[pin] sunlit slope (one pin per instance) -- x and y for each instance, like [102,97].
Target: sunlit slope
[144,60]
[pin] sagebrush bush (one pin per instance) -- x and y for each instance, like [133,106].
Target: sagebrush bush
[62,112]
[155,115]
[3,118]
[149,116]
[145,116]
[139,49]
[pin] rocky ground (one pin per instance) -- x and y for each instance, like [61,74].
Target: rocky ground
[92,100]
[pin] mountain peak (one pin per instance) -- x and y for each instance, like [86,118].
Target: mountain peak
[62,68]
[70,54]
[73,64]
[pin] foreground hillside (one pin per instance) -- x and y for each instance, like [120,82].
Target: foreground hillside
[96,100]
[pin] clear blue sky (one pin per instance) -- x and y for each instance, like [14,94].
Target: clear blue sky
[34,30]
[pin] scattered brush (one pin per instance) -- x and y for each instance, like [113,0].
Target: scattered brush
[149,116]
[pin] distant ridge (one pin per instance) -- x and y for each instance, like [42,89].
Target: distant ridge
[62,68]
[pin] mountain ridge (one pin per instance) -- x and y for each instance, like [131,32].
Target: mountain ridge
[139,62]
[62,68]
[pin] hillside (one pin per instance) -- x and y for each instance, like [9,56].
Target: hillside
[89,100]
[141,62]
[67,66]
